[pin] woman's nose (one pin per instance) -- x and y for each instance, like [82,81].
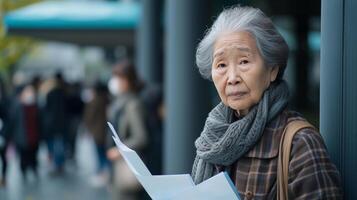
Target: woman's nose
[233,76]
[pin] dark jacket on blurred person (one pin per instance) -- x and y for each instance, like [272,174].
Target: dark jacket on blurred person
[95,116]
[4,134]
[4,117]
[25,122]
[55,117]
[26,125]
[75,107]
[151,96]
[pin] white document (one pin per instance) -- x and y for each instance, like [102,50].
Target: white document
[175,187]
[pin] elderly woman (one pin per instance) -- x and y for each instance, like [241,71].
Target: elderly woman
[245,56]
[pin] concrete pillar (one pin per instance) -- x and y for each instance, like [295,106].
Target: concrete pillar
[338,88]
[149,42]
[186,93]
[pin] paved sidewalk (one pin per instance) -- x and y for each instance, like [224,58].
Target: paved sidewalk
[72,185]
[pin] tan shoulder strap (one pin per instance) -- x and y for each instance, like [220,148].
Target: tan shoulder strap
[284,155]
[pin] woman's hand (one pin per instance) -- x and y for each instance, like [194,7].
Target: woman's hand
[113,154]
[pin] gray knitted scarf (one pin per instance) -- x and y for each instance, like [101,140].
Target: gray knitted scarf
[222,142]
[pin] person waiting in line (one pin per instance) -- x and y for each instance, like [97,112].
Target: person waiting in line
[95,118]
[55,121]
[4,133]
[74,110]
[152,99]
[127,114]
[245,57]
[25,127]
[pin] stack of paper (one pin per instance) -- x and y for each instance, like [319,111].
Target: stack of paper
[174,187]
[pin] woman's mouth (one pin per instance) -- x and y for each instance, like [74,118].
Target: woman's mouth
[236,95]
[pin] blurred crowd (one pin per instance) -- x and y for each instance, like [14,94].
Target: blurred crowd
[53,113]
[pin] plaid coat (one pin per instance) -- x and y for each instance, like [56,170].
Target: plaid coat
[312,175]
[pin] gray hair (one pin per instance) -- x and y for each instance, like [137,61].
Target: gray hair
[271,45]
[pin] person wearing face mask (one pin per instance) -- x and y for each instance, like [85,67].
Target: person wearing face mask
[26,128]
[127,114]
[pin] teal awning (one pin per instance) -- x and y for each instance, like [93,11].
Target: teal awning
[83,22]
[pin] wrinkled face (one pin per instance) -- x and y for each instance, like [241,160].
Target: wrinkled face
[238,71]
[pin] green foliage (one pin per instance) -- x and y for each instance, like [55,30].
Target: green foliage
[12,48]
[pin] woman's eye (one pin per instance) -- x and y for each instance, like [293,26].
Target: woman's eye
[243,62]
[221,65]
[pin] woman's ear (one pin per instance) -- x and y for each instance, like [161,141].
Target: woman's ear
[274,73]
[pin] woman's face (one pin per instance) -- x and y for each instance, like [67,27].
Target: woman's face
[118,85]
[123,84]
[238,71]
